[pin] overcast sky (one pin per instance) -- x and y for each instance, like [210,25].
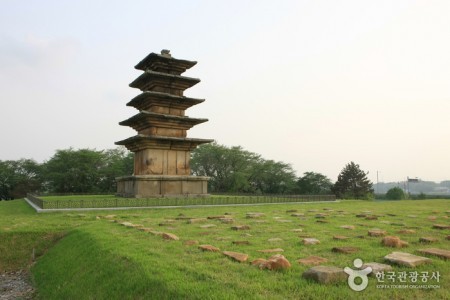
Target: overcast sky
[313,83]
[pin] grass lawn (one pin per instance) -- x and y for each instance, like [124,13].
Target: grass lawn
[86,256]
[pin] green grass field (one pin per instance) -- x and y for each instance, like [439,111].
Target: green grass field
[86,256]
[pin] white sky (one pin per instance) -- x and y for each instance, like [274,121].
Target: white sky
[313,83]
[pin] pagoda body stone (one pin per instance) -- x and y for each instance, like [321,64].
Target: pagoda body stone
[161,147]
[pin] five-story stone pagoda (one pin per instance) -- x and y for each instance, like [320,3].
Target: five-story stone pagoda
[161,148]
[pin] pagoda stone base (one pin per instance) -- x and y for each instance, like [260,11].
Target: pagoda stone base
[150,186]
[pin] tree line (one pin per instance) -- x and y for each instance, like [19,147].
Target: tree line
[67,171]
[231,170]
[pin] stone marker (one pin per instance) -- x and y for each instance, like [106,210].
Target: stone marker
[325,274]
[240,242]
[272,240]
[291,211]
[190,243]
[406,231]
[406,259]
[432,218]
[312,260]
[208,226]
[340,237]
[271,250]
[258,262]
[240,257]
[226,220]
[298,215]
[321,216]
[170,236]
[127,224]
[371,217]
[297,230]
[351,227]
[208,248]
[345,250]
[216,217]
[376,267]
[448,237]
[437,252]
[376,232]
[240,227]
[393,241]
[196,220]
[441,226]
[310,241]
[109,217]
[276,262]
[428,239]
[254,215]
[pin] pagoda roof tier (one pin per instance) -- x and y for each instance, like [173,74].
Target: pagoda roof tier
[148,99]
[151,80]
[142,142]
[145,119]
[164,63]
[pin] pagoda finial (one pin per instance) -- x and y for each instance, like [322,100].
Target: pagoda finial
[165,52]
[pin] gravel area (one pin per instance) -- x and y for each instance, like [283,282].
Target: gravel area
[15,285]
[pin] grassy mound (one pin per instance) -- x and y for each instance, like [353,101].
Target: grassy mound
[100,259]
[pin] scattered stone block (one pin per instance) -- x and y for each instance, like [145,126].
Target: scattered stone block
[448,238]
[322,221]
[393,241]
[313,210]
[304,235]
[297,230]
[284,221]
[310,241]
[350,227]
[273,240]
[312,260]
[271,250]
[190,242]
[376,267]
[340,237]
[441,226]
[377,232]
[216,217]
[197,220]
[208,248]
[345,250]
[298,215]
[240,242]
[432,218]
[276,262]
[321,216]
[240,257]
[208,226]
[170,236]
[398,224]
[226,220]
[240,227]
[428,239]
[406,231]
[361,215]
[325,274]
[371,217]
[255,215]
[258,262]
[392,215]
[109,217]
[127,224]
[406,259]
[437,252]
[291,211]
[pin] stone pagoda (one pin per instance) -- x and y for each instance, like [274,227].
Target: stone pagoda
[161,148]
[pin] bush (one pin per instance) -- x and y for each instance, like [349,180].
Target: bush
[395,193]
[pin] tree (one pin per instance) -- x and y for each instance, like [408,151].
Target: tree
[314,184]
[17,178]
[395,193]
[233,169]
[353,183]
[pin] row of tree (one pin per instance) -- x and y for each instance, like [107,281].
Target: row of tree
[231,170]
[68,171]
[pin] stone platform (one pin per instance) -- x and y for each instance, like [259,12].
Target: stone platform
[154,186]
